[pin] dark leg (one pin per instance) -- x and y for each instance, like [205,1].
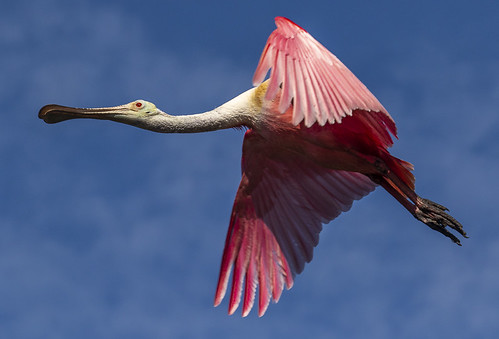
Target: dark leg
[430,213]
[435,216]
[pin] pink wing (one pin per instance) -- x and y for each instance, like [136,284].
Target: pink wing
[322,88]
[278,213]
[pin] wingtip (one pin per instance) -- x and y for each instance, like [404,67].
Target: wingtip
[221,285]
[246,311]
[262,307]
[281,21]
[232,308]
[218,300]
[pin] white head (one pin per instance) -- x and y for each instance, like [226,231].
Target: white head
[134,113]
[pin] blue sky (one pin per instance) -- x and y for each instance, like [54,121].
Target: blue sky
[107,231]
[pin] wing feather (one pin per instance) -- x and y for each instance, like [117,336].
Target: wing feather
[278,213]
[252,272]
[239,273]
[317,82]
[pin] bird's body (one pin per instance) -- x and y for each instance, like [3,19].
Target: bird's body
[295,178]
[317,140]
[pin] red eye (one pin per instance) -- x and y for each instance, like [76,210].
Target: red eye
[138,104]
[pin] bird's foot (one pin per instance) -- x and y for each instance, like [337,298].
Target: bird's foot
[436,217]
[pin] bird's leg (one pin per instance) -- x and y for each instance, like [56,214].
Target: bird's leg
[430,213]
[396,183]
[435,216]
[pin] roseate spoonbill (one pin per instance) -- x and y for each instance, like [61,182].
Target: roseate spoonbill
[317,140]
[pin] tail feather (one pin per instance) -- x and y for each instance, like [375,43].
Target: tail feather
[401,168]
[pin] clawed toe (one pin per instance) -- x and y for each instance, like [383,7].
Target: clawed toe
[430,203]
[435,216]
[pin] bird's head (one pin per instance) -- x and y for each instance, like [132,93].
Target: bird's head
[133,113]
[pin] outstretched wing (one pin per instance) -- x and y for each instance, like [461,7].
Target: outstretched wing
[321,88]
[278,212]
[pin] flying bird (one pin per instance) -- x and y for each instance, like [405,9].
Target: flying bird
[317,139]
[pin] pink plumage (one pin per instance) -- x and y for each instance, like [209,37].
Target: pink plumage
[323,89]
[321,144]
[278,213]
[283,201]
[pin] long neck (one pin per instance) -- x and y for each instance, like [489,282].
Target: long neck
[240,111]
